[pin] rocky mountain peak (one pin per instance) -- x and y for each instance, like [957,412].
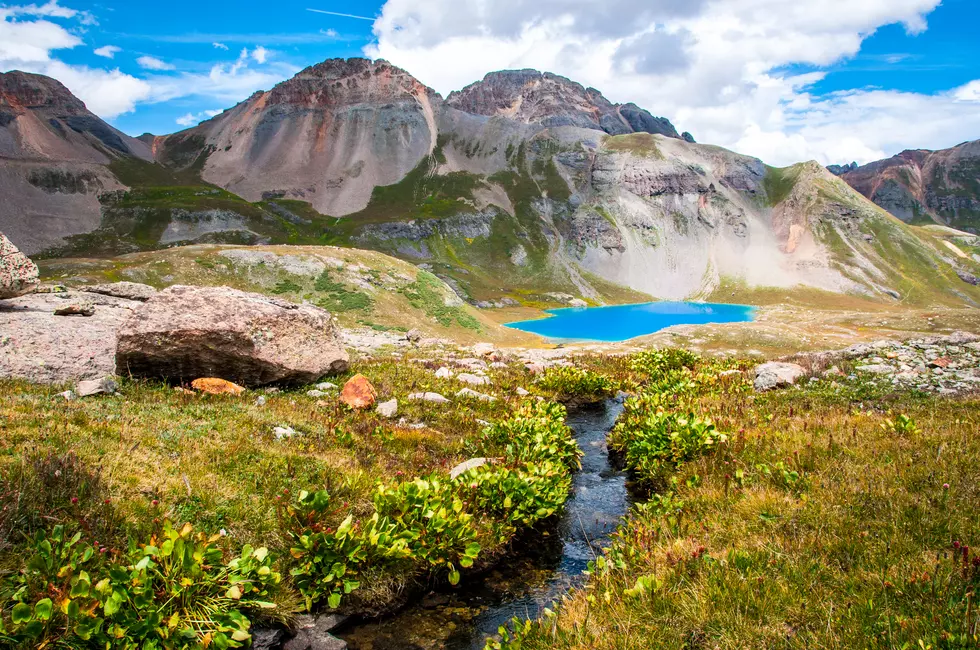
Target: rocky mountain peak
[548,99]
[20,91]
[348,81]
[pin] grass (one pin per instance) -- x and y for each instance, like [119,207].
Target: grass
[818,524]
[779,183]
[640,144]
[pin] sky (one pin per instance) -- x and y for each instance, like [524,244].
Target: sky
[784,80]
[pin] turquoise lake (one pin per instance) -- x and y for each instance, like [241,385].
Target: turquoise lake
[623,322]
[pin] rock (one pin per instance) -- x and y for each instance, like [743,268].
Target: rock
[941,362]
[18,274]
[857,350]
[413,336]
[316,393]
[730,373]
[444,373]
[358,393]
[127,290]
[216,386]
[260,400]
[876,369]
[250,339]
[68,395]
[523,392]
[462,468]
[96,387]
[577,302]
[961,338]
[388,409]
[267,638]
[313,633]
[473,380]
[76,309]
[777,374]
[326,385]
[469,392]
[284,432]
[484,349]
[428,397]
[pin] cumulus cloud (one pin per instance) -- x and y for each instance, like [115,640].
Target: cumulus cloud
[260,54]
[153,63]
[107,51]
[28,37]
[717,68]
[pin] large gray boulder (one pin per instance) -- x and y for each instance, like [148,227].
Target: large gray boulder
[18,274]
[182,333]
[777,374]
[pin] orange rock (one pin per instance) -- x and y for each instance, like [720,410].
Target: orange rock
[215,386]
[358,393]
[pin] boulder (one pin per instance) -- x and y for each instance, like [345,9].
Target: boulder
[777,374]
[18,274]
[469,392]
[96,386]
[444,373]
[76,309]
[358,393]
[473,380]
[127,290]
[215,386]
[250,339]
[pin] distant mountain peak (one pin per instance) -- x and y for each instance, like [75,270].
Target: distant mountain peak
[24,90]
[545,98]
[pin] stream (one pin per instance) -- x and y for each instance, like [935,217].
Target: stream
[525,582]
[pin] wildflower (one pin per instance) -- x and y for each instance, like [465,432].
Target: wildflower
[222,532]
[155,502]
[108,500]
[74,500]
[945,486]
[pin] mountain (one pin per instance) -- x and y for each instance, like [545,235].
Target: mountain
[521,187]
[54,157]
[921,186]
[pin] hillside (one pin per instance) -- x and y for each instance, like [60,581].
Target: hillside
[521,185]
[921,186]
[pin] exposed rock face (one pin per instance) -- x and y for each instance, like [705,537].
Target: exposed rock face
[920,185]
[18,274]
[183,333]
[548,99]
[53,157]
[327,136]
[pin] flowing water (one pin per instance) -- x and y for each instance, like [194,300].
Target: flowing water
[525,583]
[623,322]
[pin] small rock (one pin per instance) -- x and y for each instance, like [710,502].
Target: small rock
[484,349]
[388,409]
[215,386]
[876,369]
[358,393]
[428,397]
[326,385]
[473,380]
[127,290]
[96,386]
[313,633]
[284,432]
[316,393]
[941,362]
[462,468]
[444,373]
[523,392]
[76,309]
[776,375]
[267,638]
[68,395]
[469,392]
[260,400]
[730,373]
[413,336]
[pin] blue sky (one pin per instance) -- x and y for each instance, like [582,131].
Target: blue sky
[833,80]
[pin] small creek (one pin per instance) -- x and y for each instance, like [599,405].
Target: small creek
[525,582]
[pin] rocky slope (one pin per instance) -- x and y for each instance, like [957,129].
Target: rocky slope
[54,157]
[921,186]
[518,187]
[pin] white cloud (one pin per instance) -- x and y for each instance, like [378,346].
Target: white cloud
[219,46]
[153,63]
[260,54]
[717,68]
[107,51]
[193,119]
[27,40]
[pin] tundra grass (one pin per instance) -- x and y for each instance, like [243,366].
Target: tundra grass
[823,521]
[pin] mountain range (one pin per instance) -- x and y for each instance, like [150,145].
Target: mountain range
[521,183]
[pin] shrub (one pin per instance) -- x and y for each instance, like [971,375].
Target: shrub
[175,592]
[567,382]
[521,496]
[536,432]
[658,362]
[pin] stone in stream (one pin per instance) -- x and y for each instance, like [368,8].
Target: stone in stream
[777,374]
[253,340]
[358,393]
[18,274]
[313,633]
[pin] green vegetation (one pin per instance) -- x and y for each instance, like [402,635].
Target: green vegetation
[424,294]
[639,144]
[563,383]
[802,518]
[779,183]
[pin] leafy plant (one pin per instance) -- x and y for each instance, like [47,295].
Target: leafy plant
[536,432]
[568,382]
[902,425]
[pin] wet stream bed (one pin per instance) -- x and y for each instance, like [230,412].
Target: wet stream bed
[525,582]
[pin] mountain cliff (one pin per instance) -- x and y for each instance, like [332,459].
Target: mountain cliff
[921,186]
[54,157]
[521,186]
